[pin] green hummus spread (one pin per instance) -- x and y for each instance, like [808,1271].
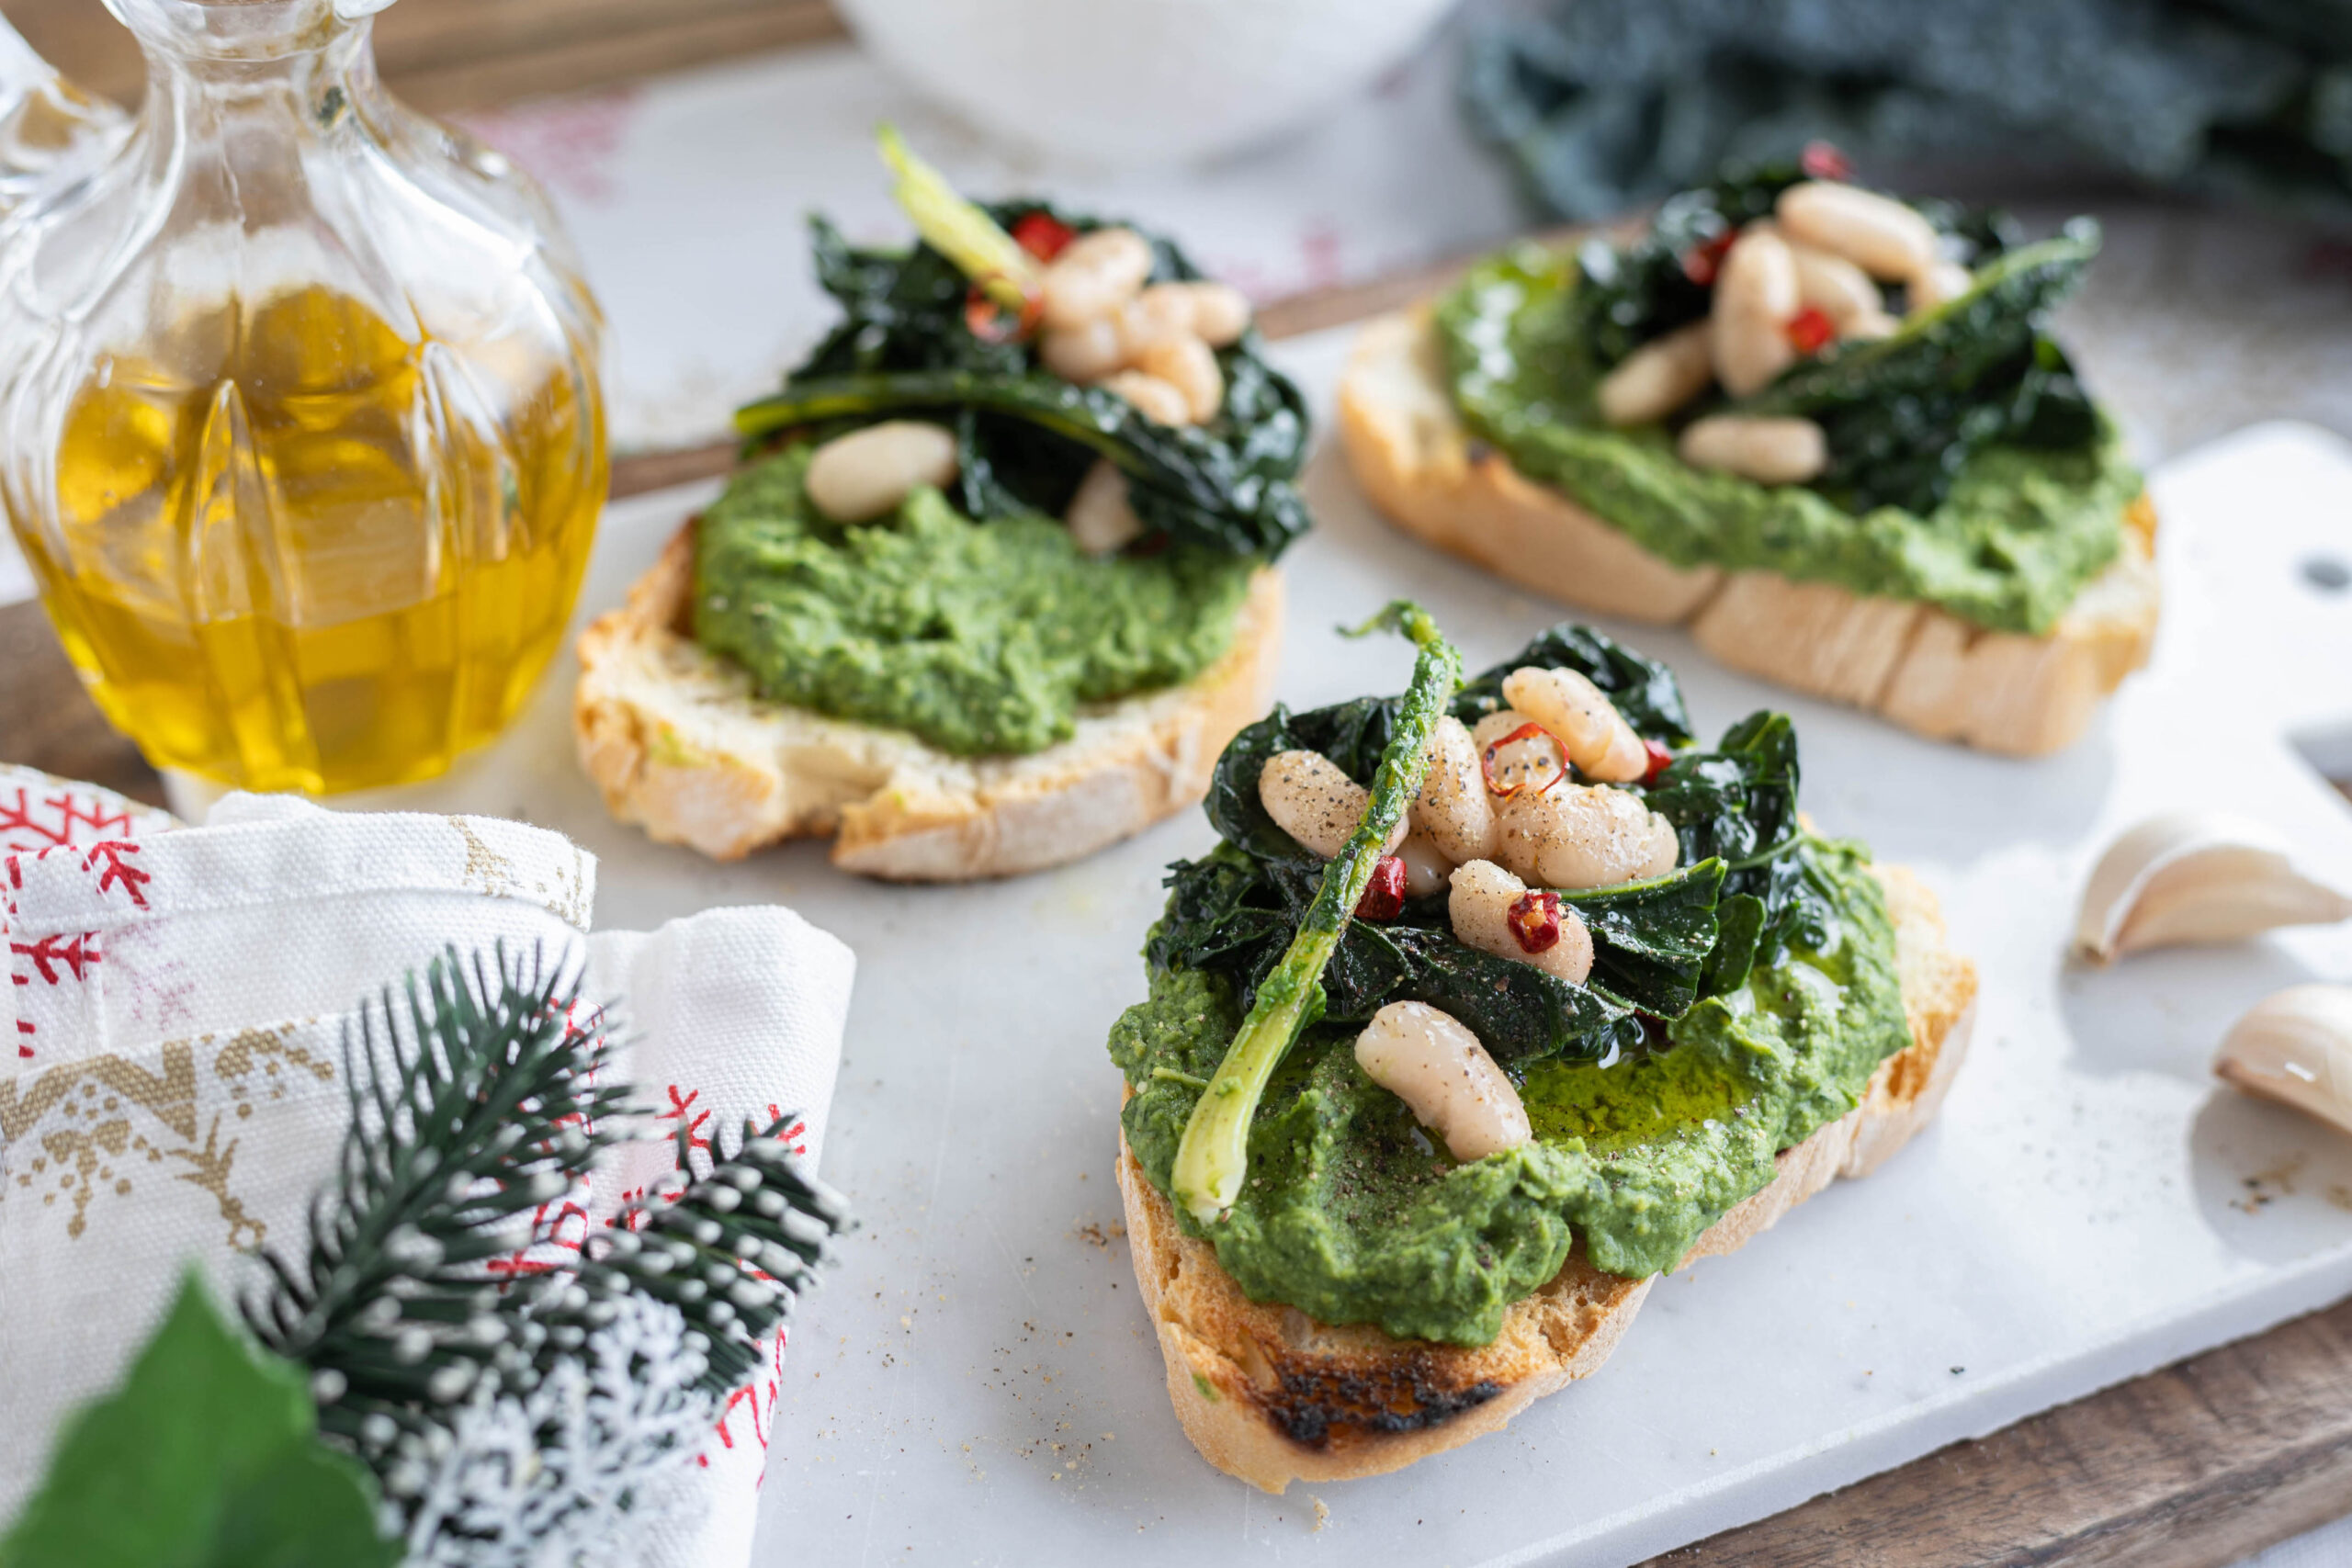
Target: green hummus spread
[1354,1215]
[982,637]
[2019,534]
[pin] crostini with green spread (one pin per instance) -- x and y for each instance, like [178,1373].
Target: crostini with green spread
[995,577]
[1495,1000]
[1826,427]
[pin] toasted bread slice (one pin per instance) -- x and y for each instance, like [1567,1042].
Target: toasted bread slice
[1923,668]
[677,742]
[1271,1395]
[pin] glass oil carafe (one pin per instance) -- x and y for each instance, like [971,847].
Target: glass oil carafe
[299,423]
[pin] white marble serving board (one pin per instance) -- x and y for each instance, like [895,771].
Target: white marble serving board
[978,1383]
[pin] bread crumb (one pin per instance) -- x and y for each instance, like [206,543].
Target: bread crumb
[1322,1513]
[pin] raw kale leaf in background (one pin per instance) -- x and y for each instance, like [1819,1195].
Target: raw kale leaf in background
[207,1456]
[1026,436]
[1656,945]
[1605,104]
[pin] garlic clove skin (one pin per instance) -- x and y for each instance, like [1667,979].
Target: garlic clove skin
[2190,877]
[2295,1048]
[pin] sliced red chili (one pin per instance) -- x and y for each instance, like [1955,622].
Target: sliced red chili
[1701,262]
[1534,917]
[1384,899]
[987,320]
[1810,330]
[1527,731]
[1821,161]
[1042,235]
[1660,760]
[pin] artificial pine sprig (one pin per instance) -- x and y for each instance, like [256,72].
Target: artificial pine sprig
[732,1251]
[471,1106]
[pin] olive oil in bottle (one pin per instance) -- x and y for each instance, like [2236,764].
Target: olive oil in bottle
[299,424]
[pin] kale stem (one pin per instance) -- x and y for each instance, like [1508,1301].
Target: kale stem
[1214,1156]
[960,230]
[1765,857]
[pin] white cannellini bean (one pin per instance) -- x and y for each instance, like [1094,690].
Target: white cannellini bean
[1314,802]
[1756,293]
[1085,353]
[1865,328]
[1162,311]
[1770,451]
[1937,284]
[1426,866]
[1834,287]
[1093,278]
[1517,765]
[1220,312]
[1099,517]
[1659,376]
[861,476]
[1153,397]
[1584,836]
[1596,736]
[1429,1060]
[1758,276]
[1190,366]
[1452,808]
[1877,233]
[1493,912]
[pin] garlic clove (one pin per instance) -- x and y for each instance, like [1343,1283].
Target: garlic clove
[2186,877]
[2296,1048]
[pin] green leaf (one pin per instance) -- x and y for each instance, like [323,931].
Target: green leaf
[1026,438]
[206,1457]
[1236,908]
[1650,940]
[1739,925]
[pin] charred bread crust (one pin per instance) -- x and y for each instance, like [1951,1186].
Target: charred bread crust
[1916,665]
[677,742]
[1270,1396]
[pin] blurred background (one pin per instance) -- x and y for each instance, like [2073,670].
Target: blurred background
[1307,145]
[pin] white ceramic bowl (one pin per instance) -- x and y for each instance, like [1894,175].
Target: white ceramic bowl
[1138,83]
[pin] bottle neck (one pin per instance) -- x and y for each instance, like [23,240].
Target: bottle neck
[240,97]
[50,129]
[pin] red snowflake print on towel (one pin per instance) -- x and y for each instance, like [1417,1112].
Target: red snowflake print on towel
[744,1413]
[796,1137]
[563,1225]
[41,820]
[106,858]
[31,821]
[688,1134]
[54,957]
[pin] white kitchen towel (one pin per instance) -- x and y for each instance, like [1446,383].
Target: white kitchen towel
[177,1001]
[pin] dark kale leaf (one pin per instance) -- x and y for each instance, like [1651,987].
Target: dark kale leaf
[1234,909]
[1651,939]
[1738,802]
[1645,691]
[1644,291]
[1905,414]
[1027,437]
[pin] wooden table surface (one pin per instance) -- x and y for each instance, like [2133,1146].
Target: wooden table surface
[2191,1467]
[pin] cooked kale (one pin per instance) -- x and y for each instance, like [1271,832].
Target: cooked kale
[1904,413]
[1658,945]
[1630,296]
[1027,437]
